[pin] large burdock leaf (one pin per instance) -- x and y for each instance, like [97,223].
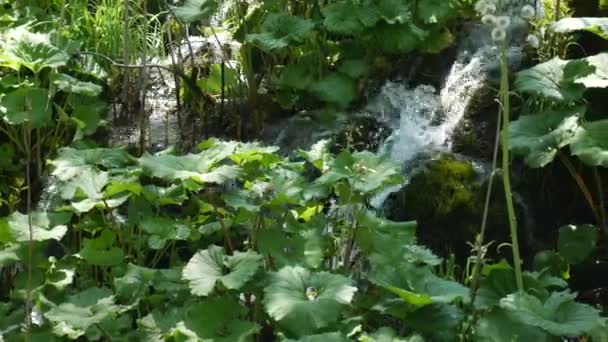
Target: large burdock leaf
[539,137]
[21,48]
[555,79]
[163,229]
[398,38]
[16,228]
[70,84]
[75,315]
[591,145]
[211,266]
[303,301]
[435,11]
[101,250]
[367,172]
[348,18]
[220,320]
[497,326]
[559,315]
[281,30]
[191,166]
[576,243]
[336,88]
[597,26]
[195,10]
[598,78]
[327,337]
[27,105]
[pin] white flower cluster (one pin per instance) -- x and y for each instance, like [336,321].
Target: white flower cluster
[500,23]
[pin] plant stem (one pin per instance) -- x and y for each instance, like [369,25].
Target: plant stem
[504,93]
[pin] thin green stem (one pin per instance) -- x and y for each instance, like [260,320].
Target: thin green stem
[504,93]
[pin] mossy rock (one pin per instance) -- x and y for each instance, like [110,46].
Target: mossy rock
[443,199]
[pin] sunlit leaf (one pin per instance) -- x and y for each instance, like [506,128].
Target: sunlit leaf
[195,10]
[591,145]
[280,31]
[303,301]
[19,47]
[597,26]
[31,105]
[16,227]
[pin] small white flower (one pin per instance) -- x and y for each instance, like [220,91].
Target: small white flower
[499,34]
[527,12]
[480,5]
[488,9]
[533,41]
[503,22]
[488,19]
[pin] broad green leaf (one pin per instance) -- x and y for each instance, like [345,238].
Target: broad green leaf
[576,243]
[155,325]
[326,337]
[555,79]
[303,301]
[599,77]
[70,84]
[16,228]
[191,166]
[398,38]
[296,76]
[335,88]
[497,326]
[591,144]
[386,334]
[416,285]
[538,137]
[553,263]
[348,18]
[559,315]
[31,105]
[20,47]
[208,267]
[435,11]
[354,68]
[597,26]
[81,311]
[378,235]
[9,253]
[135,282]
[163,229]
[213,83]
[195,10]
[87,113]
[280,31]
[101,251]
[220,320]
[426,320]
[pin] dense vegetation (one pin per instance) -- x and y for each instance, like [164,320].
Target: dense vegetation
[222,239]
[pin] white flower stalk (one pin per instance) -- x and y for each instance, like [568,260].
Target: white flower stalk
[499,34]
[533,41]
[528,12]
[503,22]
[489,20]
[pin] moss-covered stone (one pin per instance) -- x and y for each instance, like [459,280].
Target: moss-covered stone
[362,133]
[443,198]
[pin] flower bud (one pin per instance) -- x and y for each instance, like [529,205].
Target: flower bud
[503,22]
[533,41]
[527,12]
[488,19]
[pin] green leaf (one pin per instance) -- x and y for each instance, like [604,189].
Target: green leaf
[497,326]
[591,144]
[347,18]
[190,166]
[280,31]
[426,320]
[101,251]
[79,312]
[27,104]
[554,79]
[87,113]
[9,253]
[559,315]
[163,229]
[70,84]
[16,228]
[303,301]
[223,320]
[208,267]
[195,10]
[597,26]
[213,83]
[576,243]
[599,77]
[398,38]
[354,68]
[386,334]
[21,48]
[435,11]
[336,88]
[417,286]
[539,137]
[155,325]
[326,337]
[382,236]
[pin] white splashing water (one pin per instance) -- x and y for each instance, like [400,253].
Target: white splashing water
[428,120]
